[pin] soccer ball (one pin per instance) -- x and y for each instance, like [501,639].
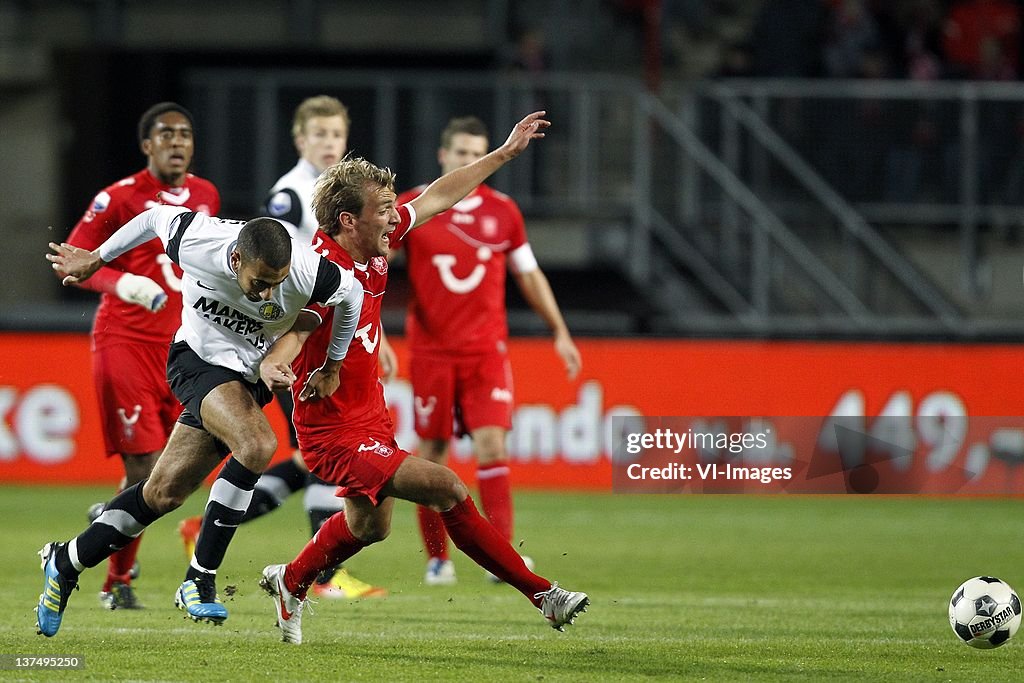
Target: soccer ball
[984,612]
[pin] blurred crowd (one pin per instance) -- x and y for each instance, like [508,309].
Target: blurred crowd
[912,39]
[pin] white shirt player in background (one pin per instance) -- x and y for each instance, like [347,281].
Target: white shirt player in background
[320,130]
[243,286]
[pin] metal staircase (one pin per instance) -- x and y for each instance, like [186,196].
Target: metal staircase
[699,224]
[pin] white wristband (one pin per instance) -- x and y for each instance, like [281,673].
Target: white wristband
[140,290]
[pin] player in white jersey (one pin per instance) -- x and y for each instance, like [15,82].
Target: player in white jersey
[243,287]
[319,130]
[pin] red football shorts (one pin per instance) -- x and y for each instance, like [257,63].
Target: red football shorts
[358,461]
[137,408]
[473,390]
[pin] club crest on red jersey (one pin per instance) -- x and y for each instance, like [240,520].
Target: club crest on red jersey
[379,264]
[377,447]
[489,226]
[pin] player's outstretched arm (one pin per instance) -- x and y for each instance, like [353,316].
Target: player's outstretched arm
[446,191]
[326,380]
[75,265]
[276,368]
[79,264]
[537,291]
[89,233]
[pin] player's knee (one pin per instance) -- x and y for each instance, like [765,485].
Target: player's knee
[164,497]
[489,456]
[371,530]
[256,450]
[449,491]
[434,451]
[489,450]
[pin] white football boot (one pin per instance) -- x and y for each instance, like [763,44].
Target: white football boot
[289,607]
[560,607]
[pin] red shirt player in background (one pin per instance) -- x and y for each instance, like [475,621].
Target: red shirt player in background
[345,432]
[139,312]
[457,332]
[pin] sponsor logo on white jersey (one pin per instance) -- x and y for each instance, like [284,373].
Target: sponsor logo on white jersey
[233,320]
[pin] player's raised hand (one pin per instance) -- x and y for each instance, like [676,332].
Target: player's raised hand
[532,127]
[76,263]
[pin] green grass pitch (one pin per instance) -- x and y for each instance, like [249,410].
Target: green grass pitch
[683,587]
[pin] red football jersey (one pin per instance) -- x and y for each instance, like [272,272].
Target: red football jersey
[117,204]
[359,401]
[457,267]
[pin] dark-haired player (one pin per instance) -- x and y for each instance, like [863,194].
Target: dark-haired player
[320,128]
[243,285]
[139,311]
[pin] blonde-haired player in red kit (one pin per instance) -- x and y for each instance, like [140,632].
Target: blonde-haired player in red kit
[345,431]
[458,333]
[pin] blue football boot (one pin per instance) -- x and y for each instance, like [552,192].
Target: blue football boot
[56,591]
[199,598]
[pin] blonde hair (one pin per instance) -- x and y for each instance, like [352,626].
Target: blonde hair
[321,105]
[470,125]
[343,188]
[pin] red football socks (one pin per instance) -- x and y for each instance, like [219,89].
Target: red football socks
[331,546]
[475,536]
[496,496]
[435,539]
[120,565]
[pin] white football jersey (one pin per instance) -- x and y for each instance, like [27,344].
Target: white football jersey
[291,201]
[218,322]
